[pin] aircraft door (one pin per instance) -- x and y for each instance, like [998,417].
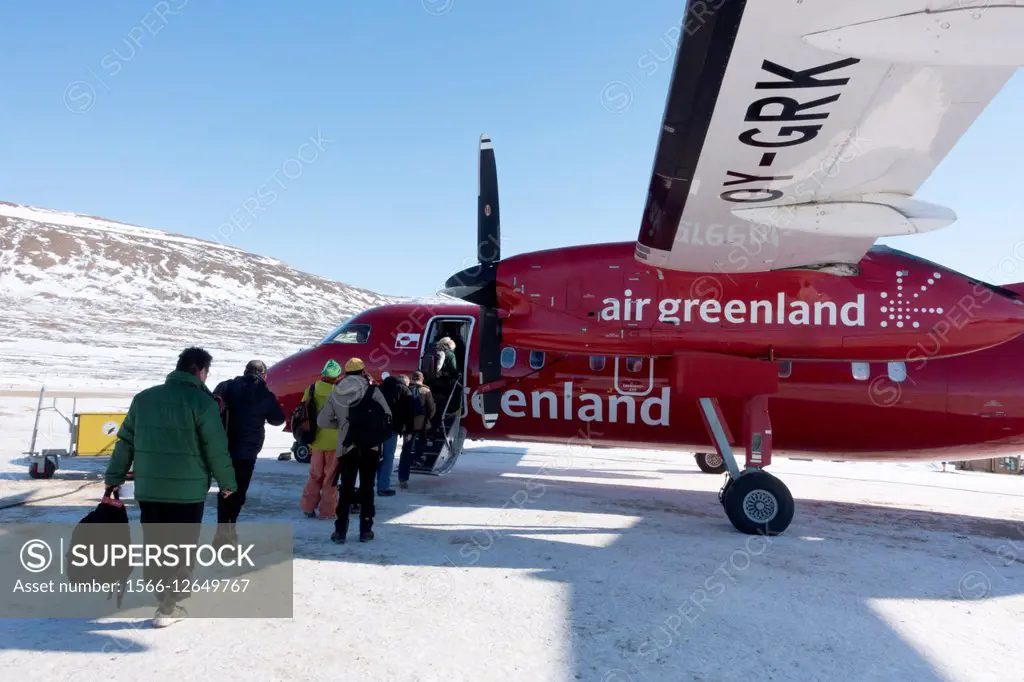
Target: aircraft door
[461,330]
[639,309]
[442,448]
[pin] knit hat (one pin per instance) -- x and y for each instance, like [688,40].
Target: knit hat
[332,370]
[354,365]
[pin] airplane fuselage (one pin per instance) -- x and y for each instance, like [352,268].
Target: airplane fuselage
[922,407]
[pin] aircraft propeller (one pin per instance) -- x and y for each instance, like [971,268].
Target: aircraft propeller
[478,284]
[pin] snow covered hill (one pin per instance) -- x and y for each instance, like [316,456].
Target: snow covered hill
[84,298]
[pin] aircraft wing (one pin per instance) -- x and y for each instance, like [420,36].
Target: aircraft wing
[796,132]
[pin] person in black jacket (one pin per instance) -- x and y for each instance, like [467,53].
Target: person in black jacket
[399,398]
[247,405]
[423,407]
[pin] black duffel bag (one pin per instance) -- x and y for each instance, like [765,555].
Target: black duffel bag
[102,529]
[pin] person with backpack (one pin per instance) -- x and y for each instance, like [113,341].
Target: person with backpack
[320,494]
[423,408]
[444,377]
[399,398]
[248,405]
[363,419]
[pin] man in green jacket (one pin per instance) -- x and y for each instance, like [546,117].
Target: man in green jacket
[174,436]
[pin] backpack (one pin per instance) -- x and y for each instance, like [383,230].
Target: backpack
[106,525]
[369,425]
[418,408]
[390,389]
[428,365]
[303,421]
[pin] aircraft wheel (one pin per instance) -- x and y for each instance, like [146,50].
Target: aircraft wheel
[757,503]
[49,468]
[303,454]
[710,462]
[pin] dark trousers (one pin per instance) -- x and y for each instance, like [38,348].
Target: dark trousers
[228,508]
[412,448]
[170,523]
[361,462]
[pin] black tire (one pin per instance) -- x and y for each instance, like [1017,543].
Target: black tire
[757,503]
[710,462]
[303,454]
[49,469]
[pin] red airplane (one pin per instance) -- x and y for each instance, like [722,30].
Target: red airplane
[754,286]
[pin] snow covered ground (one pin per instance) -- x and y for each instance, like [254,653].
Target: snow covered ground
[540,563]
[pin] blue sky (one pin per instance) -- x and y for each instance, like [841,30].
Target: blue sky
[179,114]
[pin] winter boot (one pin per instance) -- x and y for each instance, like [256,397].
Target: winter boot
[225,535]
[168,613]
[365,529]
[340,530]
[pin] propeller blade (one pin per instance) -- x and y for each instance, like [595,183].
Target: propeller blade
[488,253]
[492,401]
[490,362]
[488,224]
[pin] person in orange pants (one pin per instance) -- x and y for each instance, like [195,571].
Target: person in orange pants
[320,493]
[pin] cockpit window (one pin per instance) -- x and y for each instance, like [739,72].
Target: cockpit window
[351,333]
[334,332]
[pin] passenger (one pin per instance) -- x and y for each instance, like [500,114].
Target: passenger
[445,379]
[321,489]
[174,437]
[248,406]
[459,348]
[396,392]
[423,409]
[445,363]
[355,495]
[363,419]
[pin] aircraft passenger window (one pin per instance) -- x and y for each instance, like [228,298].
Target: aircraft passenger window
[536,359]
[508,357]
[597,363]
[634,364]
[861,370]
[897,371]
[352,333]
[785,369]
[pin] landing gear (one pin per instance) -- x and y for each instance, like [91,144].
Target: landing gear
[710,462]
[302,453]
[756,502]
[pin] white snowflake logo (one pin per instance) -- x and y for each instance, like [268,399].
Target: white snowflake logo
[904,308]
